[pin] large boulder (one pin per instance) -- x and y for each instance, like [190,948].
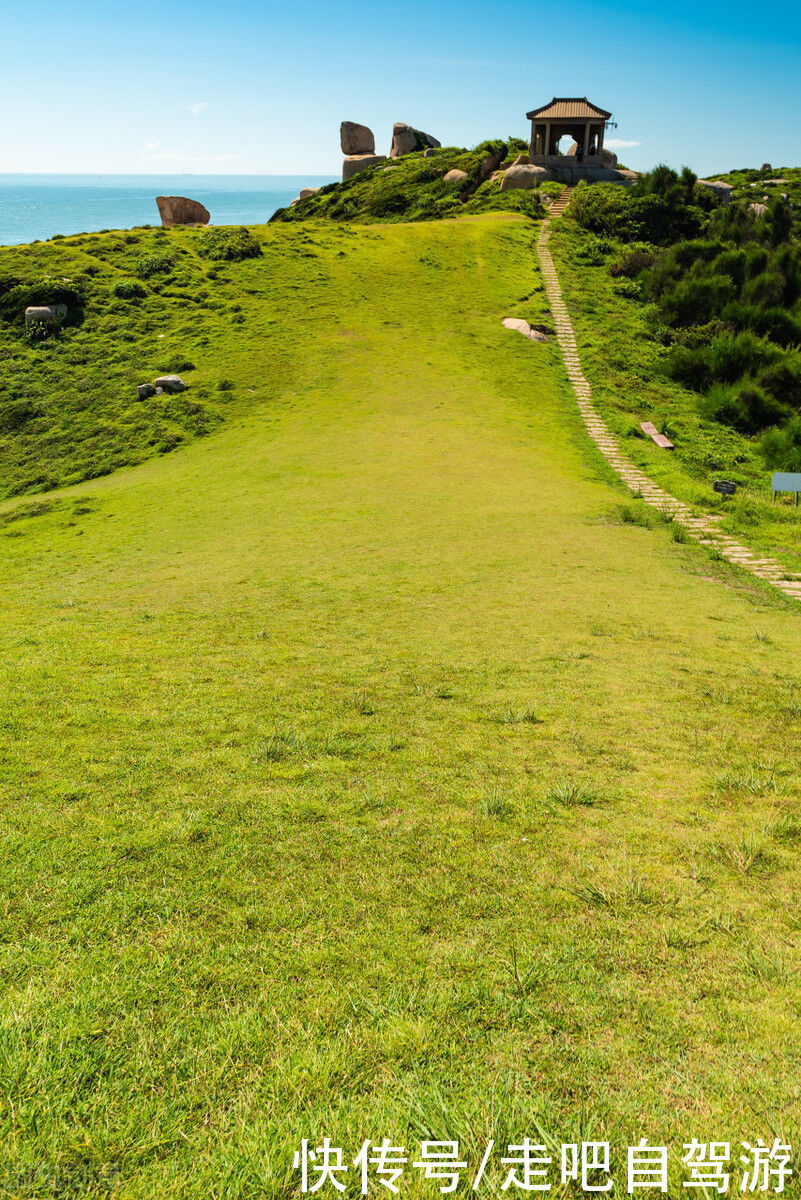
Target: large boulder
[454,176]
[523,177]
[180,210]
[490,164]
[304,192]
[607,158]
[722,190]
[356,139]
[170,383]
[405,140]
[45,314]
[766,167]
[360,162]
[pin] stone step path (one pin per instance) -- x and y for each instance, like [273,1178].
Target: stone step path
[703,529]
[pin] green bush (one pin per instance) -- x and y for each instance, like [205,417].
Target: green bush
[781,448]
[230,244]
[161,262]
[745,406]
[16,296]
[15,414]
[632,262]
[129,289]
[694,300]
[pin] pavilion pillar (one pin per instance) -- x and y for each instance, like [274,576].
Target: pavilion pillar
[601,137]
[587,130]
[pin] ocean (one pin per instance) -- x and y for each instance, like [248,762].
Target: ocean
[35,207]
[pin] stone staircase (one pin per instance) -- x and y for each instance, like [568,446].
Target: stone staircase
[703,529]
[562,202]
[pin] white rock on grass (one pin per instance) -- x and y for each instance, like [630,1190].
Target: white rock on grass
[170,383]
[520,326]
[45,314]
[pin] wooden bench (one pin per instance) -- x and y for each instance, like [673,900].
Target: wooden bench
[655,436]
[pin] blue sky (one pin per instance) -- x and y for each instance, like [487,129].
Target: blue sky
[235,86]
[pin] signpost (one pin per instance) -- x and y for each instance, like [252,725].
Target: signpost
[786,481]
[725,487]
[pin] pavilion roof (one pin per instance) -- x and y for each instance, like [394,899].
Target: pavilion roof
[569,108]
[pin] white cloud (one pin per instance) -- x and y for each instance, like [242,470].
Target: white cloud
[156,152]
[620,144]
[198,107]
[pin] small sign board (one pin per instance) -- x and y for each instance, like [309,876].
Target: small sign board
[786,481]
[725,487]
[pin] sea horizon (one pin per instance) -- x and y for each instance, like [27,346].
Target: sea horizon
[33,206]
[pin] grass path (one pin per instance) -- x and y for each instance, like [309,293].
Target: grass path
[703,528]
[365,774]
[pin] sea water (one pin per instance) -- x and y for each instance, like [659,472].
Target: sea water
[35,207]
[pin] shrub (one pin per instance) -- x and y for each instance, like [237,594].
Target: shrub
[15,414]
[129,289]
[731,263]
[783,380]
[778,325]
[230,244]
[765,290]
[632,262]
[695,300]
[43,331]
[15,298]
[746,407]
[159,263]
[781,448]
[731,356]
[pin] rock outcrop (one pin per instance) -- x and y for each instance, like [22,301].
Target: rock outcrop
[429,152]
[490,164]
[522,160]
[304,194]
[766,167]
[45,314]
[356,139]
[523,177]
[405,140]
[607,158]
[359,162]
[170,383]
[180,210]
[521,326]
[721,189]
[758,210]
[454,176]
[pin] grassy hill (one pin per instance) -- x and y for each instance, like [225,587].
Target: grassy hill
[366,772]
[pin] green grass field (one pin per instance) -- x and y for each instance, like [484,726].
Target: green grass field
[368,772]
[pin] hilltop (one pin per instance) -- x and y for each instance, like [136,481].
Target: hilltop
[414,187]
